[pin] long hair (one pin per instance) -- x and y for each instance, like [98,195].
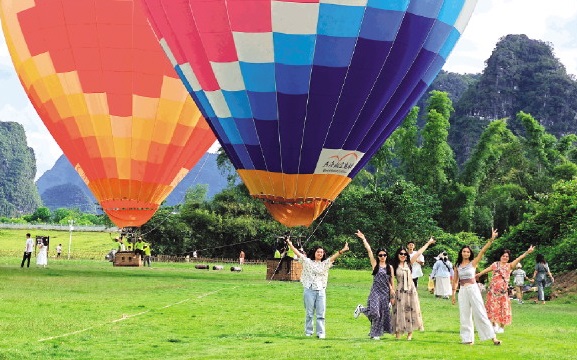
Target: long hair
[376,268]
[460,256]
[311,254]
[395,261]
[540,259]
[503,252]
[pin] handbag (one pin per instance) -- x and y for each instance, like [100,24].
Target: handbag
[431,285]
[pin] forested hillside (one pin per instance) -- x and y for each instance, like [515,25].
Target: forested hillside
[496,149]
[18,194]
[521,75]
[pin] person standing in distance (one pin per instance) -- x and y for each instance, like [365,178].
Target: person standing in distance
[42,254]
[540,277]
[314,277]
[27,250]
[147,254]
[417,270]
[519,277]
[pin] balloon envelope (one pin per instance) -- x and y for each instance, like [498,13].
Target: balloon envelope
[302,93]
[110,98]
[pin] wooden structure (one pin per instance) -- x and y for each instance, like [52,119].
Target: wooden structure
[127,258]
[286,270]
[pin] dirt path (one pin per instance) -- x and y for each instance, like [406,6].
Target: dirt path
[564,284]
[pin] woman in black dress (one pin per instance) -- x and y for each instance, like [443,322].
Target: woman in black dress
[378,309]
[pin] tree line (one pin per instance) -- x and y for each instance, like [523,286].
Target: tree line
[412,188]
[523,185]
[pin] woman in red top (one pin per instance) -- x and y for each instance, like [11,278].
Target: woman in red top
[498,305]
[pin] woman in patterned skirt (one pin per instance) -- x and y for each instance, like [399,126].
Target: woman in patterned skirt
[498,304]
[377,309]
[406,308]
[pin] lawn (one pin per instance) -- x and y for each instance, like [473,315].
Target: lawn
[88,309]
[87,245]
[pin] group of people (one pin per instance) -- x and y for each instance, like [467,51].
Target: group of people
[41,245]
[393,304]
[406,312]
[404,315]
[140,247]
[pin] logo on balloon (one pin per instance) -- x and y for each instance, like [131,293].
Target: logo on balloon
[337,161]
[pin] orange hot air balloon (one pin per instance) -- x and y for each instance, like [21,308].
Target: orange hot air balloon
[105,90]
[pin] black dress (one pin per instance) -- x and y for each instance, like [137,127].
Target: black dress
[378,310]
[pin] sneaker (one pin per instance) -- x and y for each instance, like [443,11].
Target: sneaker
[358,311]
[309,335]
[520,301]
[321,336]
[375,338]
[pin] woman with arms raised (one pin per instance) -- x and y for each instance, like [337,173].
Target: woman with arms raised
[406,308]
[314,277]
[498,304]
[471,307]
[377,309]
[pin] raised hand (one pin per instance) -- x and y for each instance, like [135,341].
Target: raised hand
[346,247]
[494,234]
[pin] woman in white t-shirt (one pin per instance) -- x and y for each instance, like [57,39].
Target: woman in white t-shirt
[314,277]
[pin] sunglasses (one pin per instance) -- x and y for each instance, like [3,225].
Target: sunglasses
[382,255]
[403,254]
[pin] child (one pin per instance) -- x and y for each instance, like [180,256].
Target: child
[519,277]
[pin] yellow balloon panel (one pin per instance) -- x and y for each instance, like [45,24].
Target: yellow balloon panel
[287,198]
[110,98]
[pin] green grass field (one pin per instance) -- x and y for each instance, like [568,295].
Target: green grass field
[88,309]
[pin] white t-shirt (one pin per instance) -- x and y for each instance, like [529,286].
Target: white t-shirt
[29,245]
[315,274]
[417,270]
[519,276]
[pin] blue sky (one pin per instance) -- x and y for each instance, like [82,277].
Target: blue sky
[553,21]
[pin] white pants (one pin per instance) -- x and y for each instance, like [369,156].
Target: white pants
[472,309]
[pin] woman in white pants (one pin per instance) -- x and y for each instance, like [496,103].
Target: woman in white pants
[471,306]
